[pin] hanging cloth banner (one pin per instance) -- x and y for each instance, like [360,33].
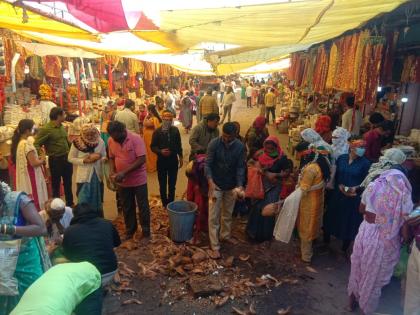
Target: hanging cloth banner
[13,71]
[71,70]
[91,72]
[83,73]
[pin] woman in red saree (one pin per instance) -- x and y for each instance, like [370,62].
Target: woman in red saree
[29,176]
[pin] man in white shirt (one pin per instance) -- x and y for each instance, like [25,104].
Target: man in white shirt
[248,92]
[352,118]
[128,118]
[222,87]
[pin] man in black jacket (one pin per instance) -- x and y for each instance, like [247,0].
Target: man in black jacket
[166,143]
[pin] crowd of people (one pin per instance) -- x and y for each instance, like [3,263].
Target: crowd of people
[344,185]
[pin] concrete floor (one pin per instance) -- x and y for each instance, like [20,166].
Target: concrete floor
[245,116]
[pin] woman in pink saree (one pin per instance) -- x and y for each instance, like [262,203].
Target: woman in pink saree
[385,204]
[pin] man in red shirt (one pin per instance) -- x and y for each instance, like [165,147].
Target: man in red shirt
[127,154]
[373,139]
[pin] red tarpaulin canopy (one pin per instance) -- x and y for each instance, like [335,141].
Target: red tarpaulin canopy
[106,16]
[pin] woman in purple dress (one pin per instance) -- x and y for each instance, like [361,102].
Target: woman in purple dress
[385,204]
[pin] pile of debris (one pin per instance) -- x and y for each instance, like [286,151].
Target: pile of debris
[191,267]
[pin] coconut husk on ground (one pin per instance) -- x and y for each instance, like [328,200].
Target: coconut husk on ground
[222,280]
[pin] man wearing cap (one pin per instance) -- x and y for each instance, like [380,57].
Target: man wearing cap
[57,217]
[127,156]
[166,143]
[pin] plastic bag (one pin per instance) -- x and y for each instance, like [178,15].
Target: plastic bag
[109,183]
[9,253]
[401,268]
[255,188]
[287,218]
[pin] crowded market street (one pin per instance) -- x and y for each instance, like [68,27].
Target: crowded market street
[315,290]
[185,157]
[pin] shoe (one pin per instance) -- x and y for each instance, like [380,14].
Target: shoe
[214,254]
[230,241]
[128,237]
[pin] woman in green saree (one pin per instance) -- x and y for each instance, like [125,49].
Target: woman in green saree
[19,220]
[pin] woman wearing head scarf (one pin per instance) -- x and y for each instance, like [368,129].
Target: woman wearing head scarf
[391,158]
[315,140]
[88,152]
[323,127]
[340,144]
[255,136]
[150,124]
[342,218]
[274,166]
[313,177]
[385,203]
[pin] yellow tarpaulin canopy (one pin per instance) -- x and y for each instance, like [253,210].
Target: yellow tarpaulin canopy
[256,55]
[51,50]
[263,32]
[13,17]
[116,43]
[191,63]
[168,40]
[286,23]
[267,67]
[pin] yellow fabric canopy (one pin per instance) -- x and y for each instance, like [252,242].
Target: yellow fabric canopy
[286,23]
[267,67]
[168,40]
[191,63]
[116,43]
[263,32]
[12,17]
[254,55]
[51,50]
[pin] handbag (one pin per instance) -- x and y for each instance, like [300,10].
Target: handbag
[255,187]
[286,220]
[9,254]
[109,183]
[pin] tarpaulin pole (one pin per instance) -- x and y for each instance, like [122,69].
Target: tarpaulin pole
[68,101]
[84,100]
[78,89]
[61,91]
[110,77]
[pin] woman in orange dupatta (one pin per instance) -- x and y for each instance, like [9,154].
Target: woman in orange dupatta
[150,124]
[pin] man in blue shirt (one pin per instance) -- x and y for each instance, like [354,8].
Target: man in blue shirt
[225,171]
